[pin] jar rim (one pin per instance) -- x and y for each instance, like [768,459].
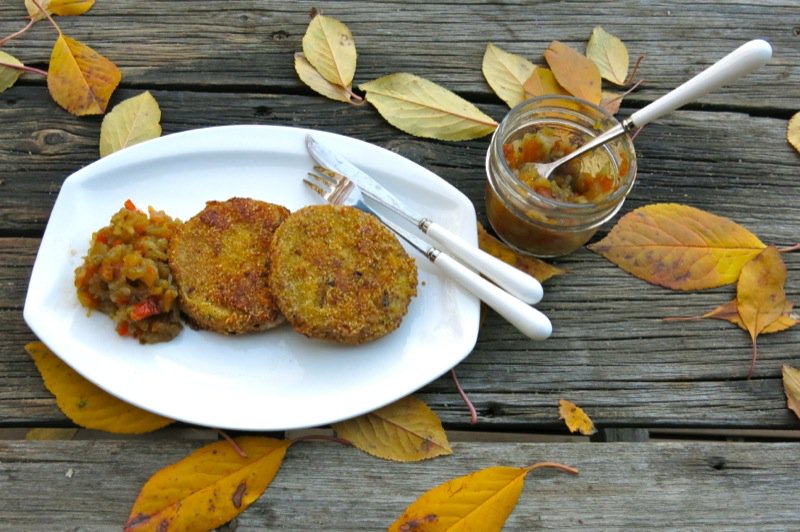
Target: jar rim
[620,193]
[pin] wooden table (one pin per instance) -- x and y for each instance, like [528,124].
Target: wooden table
[686,440]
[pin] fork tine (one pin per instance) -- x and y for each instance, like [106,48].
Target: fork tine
[314,186]
[335,176]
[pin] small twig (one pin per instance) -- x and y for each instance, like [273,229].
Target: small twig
[555,465]
[322,437]
[25,68]
[46,14]
[473,414]
[633,72]
[16,34]
[753,362]
[233,443]
[789,249]
[683,318]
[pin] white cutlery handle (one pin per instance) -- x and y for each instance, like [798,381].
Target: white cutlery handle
[745,59]
[515,281]
[527,319]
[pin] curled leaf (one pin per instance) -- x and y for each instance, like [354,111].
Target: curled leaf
[86,404]
[58,7]
[328,45]
[574,71]
[311,77]
[542,82]
[679,247]
[609,54]
[760,298]
[405,431]
[575,418]
[791,387]
[130,122]
[80,79]
[729,312]
[793,131]
[8,74]
[482,500]
[506,73]
[423,108]
[209,487]
[537,268]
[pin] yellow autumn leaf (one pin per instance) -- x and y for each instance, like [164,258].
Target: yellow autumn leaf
[405,431]
[80,79]
[311,77]
[209,487]
[575,418]
[328,45]
[679,247]
[482,501]
[8,74]
[574,71]
[791,387]
[542,82]
[609,54]
[423,108]
[86,404]
[537,268]
[130,122]
[63,8]
[793,131]
[506,72]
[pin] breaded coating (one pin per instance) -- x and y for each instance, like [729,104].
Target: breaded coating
[338,274]
[220,261]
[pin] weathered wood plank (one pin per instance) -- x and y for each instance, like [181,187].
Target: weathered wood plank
[674,485]
[250,43]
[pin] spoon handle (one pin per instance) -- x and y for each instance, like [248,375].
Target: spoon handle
[745,59]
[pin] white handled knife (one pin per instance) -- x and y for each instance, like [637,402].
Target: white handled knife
[516,282]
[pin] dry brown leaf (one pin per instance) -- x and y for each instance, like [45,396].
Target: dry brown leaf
[793,131]
[328,45]
[86,404]
[537,268]
[760,298]
[79,79]
[209,487]
[791,387]
[609,54]
[729,312]
[679,247]
[423,108]
[575,418]
[506,72]
[58,7]
[405,431]
[311,77]
[611,102]
[130,122]
[8,74]
[542,82]
[574,71]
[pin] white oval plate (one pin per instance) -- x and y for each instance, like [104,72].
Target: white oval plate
[274,380]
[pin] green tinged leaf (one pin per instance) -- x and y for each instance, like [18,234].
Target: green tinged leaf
[423,108]
[130,122]
[506,73]
[8,74]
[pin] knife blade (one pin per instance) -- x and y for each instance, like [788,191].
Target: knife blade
[516,282]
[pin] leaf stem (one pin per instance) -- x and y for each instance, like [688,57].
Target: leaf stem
[473,414]
[554,465]
[24,68]
[230,440]
[16,34]
[46,14]
[789,249]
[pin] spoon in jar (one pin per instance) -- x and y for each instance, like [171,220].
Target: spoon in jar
[745,59]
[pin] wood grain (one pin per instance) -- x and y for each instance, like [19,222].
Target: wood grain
[656,485]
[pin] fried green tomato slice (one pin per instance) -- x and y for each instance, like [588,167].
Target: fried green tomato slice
[220,261]
[338,274]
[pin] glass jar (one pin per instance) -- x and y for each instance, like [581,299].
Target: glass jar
[556,217]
